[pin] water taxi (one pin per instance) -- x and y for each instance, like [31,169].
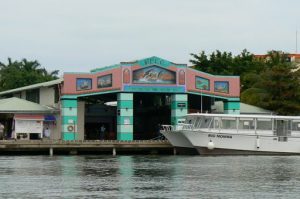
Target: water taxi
[225,134]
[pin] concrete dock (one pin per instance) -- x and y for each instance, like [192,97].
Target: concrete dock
[113,147]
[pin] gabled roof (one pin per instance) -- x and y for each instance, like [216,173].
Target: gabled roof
[142,62]
[17,105]
[33,86]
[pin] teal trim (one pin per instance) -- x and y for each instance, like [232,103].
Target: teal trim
[125,104]
[154,61]
[121,128]
[124,112]
[232,112]
[174,104]
[68,97]
[216,96]
[125,136]
[179,97]
[69,103]
[124,119]
[105,68]
[69,111]
[125,97]
[125,108]
[69,136]
[174,120]
[229,105]
[154,89]
[66,119]
[178,112]
[65,128]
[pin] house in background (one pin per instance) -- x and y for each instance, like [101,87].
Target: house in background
[29,111]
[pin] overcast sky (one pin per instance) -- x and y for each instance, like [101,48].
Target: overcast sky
[77,36]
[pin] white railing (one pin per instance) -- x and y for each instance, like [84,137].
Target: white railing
[167,128]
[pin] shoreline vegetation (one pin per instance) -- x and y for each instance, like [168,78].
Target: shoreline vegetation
[269,81]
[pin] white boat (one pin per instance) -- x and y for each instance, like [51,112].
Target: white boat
[175,136]
[220,134]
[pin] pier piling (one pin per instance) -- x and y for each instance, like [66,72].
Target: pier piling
[51,151]
[114,152]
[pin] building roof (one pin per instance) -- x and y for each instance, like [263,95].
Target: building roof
[288,55]
[17,105]
[33,86]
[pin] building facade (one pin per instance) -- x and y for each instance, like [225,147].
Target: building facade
[147,92]
[129,100]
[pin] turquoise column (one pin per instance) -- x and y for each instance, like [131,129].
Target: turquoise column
[69,119]
[125,116]
[179,107]
[231,107]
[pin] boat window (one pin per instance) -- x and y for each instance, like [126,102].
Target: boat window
[206,122]
[217,123]
[264,124]
[246,123]
[197,123]
[181,121]
[189,120]
[228,123]
[296,125]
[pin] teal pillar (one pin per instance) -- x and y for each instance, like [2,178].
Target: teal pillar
[69,119]
[179,107]
[125,116]
[231,107]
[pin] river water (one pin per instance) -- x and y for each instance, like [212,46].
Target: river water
[149,177]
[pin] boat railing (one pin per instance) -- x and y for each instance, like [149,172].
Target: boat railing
[187,126]
[167,127]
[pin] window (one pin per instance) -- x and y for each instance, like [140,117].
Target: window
[56,94]
[33,95]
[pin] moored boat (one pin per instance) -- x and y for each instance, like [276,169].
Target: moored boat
[220,134]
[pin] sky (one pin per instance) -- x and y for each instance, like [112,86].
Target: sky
[80,35]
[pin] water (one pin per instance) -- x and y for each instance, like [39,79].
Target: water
[149,177]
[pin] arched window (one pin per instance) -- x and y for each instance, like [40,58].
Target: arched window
[181,77]
[126,76]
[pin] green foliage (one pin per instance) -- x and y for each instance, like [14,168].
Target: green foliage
[270,82]
[16,74]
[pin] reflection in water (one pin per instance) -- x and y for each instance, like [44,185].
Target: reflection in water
[125,175]
[149,177]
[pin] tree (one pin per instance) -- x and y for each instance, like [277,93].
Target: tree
[270,82]
[16,74]
[282,87]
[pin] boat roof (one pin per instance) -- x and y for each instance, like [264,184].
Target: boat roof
[245,116]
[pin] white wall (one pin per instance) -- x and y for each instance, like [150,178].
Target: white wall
[80,119]
[23,95]
[47,96]
[56,131]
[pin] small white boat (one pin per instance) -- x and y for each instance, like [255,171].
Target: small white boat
[220,134]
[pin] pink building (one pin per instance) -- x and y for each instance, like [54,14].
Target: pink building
[146,92]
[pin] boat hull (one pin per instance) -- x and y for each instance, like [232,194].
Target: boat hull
[177,139]
[239,144]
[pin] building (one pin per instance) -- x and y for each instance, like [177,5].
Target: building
[294,58]
[146,92]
